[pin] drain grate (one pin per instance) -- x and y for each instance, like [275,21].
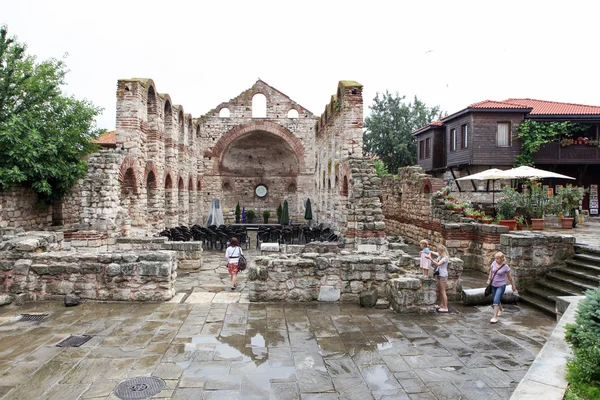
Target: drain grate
[139,388]
[32,317]
[74,341]
[183,274]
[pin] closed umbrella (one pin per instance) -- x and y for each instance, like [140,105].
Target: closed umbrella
[285,216]
[308,210]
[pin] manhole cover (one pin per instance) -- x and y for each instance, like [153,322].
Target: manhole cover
[32,317]
[74,341]
[139,388]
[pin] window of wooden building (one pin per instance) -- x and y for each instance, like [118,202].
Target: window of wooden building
[452,139]
[464,136]
[427,147]
[503,134]
[421,149]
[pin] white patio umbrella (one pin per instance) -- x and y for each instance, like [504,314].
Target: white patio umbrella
[489,174]
[525,172]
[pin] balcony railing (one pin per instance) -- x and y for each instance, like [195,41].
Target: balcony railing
[573,154]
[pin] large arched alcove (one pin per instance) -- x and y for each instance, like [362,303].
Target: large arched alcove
[258,158]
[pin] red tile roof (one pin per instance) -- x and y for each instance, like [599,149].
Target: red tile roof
[543,107]
[496,104]
[107,138]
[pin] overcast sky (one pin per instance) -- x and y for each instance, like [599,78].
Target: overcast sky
[448,53]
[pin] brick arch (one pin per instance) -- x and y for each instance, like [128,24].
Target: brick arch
[151,167]
[260,90]
[426,188]
[190,183]
[168,177]
[267,126]
[127,164]
[181,183]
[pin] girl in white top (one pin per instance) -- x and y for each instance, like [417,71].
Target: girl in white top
[442,278]
[425,262]
[232,255]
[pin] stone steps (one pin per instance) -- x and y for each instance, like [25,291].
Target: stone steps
[581,273]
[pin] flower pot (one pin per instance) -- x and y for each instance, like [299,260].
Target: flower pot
[266,220]
[510,223]
[537,224]
[566,223]
[486,221]
[237,219]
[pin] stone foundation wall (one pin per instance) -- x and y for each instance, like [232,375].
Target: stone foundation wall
[531,255]
[301,273]
[32,269]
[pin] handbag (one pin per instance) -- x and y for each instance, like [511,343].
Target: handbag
[488,288]
[242,263]
[436,272]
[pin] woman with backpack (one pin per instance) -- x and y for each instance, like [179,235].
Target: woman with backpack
[232,255]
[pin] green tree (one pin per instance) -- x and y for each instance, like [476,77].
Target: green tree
[44,135]
[390,125]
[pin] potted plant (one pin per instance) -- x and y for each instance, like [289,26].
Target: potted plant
[521,222]
[507,207]
[266,215]
[470,211]
[250,214]
[238,213]
[486,219]
[535,201]
[569,198]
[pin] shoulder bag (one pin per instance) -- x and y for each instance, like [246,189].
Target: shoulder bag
[488,288]
[242,263]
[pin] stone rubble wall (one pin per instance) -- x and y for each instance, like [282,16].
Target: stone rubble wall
[18,209]
[413,212]
[301,272]
[531,255]
[33,267]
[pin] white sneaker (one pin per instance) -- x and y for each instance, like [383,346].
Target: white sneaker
[494,320]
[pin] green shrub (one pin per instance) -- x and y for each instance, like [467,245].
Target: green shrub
[584,336]
[508,203]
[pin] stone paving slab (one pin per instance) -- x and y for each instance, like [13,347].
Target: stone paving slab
[212,350]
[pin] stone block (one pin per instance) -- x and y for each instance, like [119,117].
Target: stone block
[22,266]
[5,299]
[329,294]
[148,268]
[71,300]
[406,283]
[368,298]
[112,269]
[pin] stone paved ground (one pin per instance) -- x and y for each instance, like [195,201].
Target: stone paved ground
[210,343]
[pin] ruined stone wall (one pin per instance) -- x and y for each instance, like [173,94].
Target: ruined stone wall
[241,151]
[346,194]
[413,212]
[18,209]
[32,269]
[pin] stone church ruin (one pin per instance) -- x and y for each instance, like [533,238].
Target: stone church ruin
[163,168]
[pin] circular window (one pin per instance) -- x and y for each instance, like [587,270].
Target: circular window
[261,191]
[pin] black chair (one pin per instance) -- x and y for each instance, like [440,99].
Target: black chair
[286,236]
[243,240]
[308,236]
[214,240]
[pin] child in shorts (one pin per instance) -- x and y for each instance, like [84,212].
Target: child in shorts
[425,262]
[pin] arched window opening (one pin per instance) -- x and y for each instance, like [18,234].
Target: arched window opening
[293,113]
[345,187]
[168,119]
[190,131]
[151,109]
[259,106]
[224,113]
[291,188]
[181,122]
[129,193]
